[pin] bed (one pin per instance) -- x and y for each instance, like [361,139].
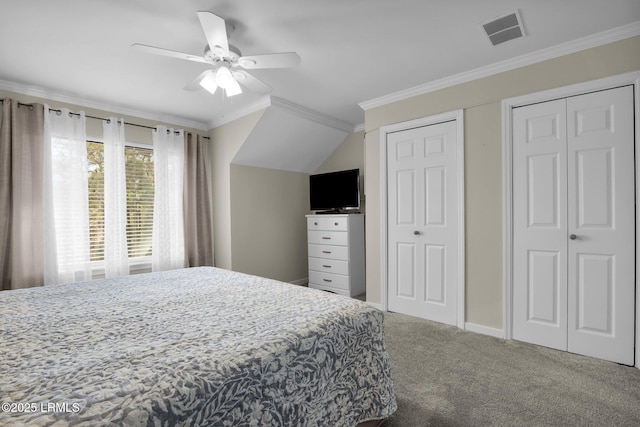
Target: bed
[198,346]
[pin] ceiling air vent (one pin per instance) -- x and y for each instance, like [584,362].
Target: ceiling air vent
[504,28]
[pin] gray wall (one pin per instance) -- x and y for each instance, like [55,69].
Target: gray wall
[268,226]
[225,141]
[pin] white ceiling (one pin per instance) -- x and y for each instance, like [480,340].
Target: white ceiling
[352,50]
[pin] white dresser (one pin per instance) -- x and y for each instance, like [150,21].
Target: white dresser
[336,253]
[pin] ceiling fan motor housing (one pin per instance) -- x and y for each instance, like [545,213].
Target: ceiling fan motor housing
[232,57]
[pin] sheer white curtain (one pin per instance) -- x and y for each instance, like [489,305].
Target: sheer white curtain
[116,257]
[168,223]
[66,202]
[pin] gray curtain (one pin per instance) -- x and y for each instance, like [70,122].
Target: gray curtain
[198,238]
[21,197]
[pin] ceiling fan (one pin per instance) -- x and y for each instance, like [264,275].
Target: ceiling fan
[227,64]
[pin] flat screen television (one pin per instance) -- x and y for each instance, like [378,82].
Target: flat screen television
[335,191]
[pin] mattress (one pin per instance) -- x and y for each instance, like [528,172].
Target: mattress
[198,346]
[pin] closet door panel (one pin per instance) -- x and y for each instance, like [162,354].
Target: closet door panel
[600,141]
[539,222]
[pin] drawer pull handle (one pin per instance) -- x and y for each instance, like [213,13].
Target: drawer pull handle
[326,252]
[326,266]
[326,238]
[335,223]
[328,280]
[315,223]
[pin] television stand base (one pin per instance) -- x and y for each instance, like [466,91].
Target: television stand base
[337,212]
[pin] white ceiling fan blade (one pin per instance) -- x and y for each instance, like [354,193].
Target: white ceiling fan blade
[169,53]
[195,83]
[251,83]
[273,60]
[215,31]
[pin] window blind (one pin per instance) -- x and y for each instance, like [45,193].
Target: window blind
[140,196]
[95,158]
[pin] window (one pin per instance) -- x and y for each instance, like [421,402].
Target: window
[140,195]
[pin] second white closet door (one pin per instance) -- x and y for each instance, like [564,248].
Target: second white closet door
[574,227]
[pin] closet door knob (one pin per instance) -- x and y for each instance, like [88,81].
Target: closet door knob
[573,237]
[417,233]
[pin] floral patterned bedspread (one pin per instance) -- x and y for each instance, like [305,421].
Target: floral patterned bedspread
[199,346]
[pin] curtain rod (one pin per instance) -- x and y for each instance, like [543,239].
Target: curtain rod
[100,118]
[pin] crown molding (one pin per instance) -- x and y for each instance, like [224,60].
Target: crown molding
[595,40]
[60,97]
[359,128]
[239,113]
[306,113]
[289,107]
[262,103]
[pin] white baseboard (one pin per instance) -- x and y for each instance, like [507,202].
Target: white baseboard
[375,305]
[484,330]
[300,282]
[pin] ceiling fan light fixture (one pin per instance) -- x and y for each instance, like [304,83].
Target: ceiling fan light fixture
[209,83]
[223,76]
[225,80]
[233,89]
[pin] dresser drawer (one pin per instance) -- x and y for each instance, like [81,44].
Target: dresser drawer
[329,265]
[327,223]
[329,252]
[328,279]
[339,238]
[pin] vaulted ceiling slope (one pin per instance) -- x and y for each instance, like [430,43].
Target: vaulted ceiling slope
[290,137]
[352,51]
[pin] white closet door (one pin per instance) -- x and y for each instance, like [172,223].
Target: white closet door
[422,222]
[601,218]
[574,226]
[540,225]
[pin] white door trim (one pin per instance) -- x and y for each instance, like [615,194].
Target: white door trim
[458,117]
[507,184]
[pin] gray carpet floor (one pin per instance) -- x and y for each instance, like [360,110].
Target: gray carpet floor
[445,376]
